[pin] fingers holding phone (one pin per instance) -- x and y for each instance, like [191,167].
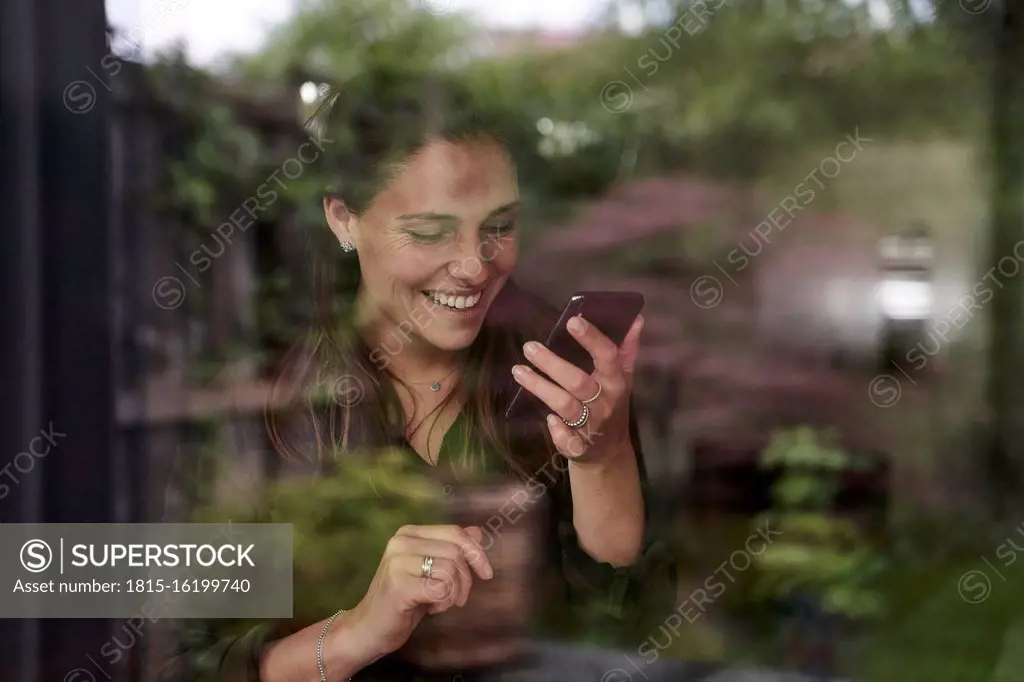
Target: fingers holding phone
[583,375]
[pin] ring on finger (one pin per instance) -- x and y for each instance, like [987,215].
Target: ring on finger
[427,568]
[582,421]
[593,397]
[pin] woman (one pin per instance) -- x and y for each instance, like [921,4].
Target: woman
[423,313]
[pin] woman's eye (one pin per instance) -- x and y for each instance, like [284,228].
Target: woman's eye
[427,237]
[501,227]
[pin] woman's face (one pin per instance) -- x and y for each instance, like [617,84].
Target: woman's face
[437,244]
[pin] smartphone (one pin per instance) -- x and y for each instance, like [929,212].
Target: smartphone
[612,312]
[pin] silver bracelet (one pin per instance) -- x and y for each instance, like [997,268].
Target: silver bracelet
[320,646]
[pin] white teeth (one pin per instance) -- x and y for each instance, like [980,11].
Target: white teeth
[456,302]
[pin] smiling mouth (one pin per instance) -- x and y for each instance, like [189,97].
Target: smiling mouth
[455,302]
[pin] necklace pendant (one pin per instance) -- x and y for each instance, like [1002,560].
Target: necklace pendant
[436,386]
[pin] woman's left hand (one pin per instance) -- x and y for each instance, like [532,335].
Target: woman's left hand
[602,396]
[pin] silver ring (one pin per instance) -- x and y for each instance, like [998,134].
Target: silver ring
[428,567]
[579,423]
[594,397]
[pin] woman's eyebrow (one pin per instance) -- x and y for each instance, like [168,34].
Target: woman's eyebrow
[428,216]
[505,208]
[444,217]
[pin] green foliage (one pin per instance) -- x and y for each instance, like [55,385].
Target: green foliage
[214,156]
[817,554]
[341,524]
[758,82]
[334,40]
[207,462]
[223,155]
[343,521]
[222,152]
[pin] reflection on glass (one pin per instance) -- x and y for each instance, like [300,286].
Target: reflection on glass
[905,299]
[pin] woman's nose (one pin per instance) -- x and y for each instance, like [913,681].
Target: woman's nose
[470,266]
[471,270]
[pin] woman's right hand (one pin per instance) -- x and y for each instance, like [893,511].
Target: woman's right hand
[399,596]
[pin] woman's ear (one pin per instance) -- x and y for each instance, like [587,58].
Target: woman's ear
[344,223]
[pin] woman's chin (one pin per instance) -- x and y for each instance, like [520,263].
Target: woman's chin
[455,340]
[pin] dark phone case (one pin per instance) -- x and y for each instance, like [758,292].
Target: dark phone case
[612,312]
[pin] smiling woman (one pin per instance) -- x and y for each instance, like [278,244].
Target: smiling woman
[418,308]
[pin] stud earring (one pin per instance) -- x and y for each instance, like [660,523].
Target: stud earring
[347,247]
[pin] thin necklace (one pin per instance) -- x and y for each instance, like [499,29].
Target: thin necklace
[435,386]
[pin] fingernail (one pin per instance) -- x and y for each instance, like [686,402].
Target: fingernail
[531,348]
[576,325]
[552,420]
[488,572]
[519,371]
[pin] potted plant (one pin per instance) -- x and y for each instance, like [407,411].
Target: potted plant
[821,569]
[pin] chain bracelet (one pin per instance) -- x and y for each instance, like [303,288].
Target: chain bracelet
[320,646]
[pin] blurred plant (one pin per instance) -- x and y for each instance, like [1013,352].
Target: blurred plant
[343,521]
[818,558]
[214,156]
[223,155]
[224,152]
[341,524]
